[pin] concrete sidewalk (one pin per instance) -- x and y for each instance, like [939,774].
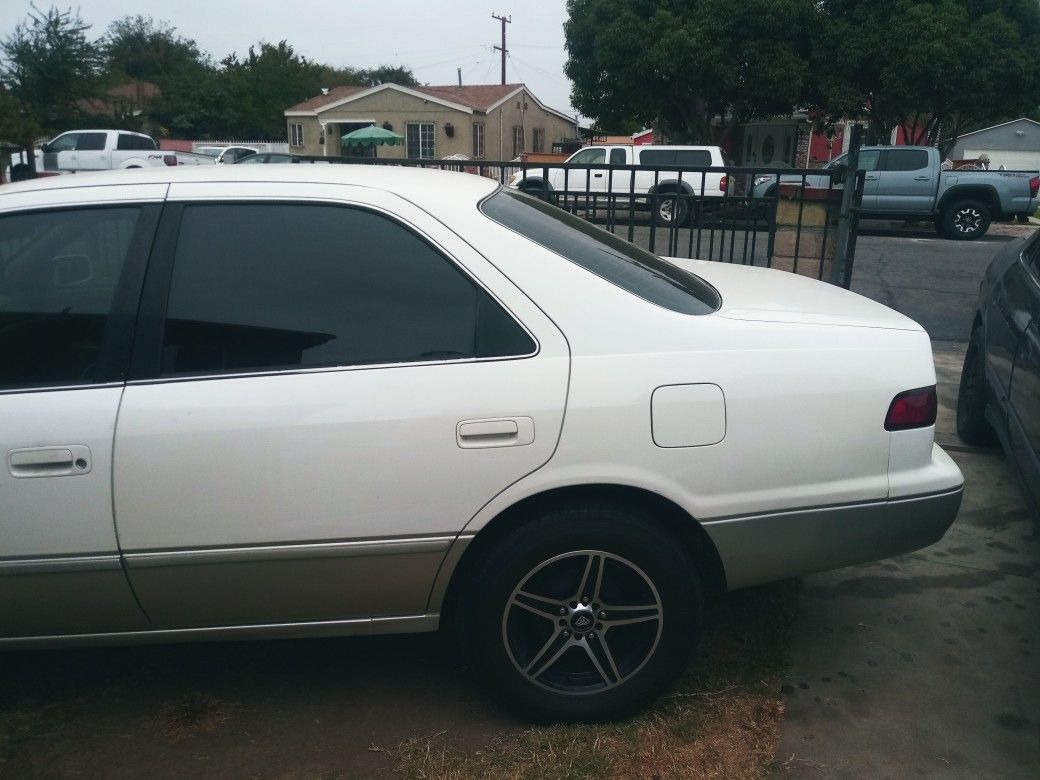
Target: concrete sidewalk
[926,665]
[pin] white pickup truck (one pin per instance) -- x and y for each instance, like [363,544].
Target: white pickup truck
[103,150]
[590,173]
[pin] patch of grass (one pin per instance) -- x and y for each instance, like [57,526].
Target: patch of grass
[197,713]
[721,721]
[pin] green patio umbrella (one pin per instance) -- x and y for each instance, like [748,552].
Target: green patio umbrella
[371,136]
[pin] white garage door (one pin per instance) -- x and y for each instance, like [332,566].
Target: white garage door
[1012,161]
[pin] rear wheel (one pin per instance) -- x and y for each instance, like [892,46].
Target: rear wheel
[671,209]
[581,615]
[972,425]
[965,220]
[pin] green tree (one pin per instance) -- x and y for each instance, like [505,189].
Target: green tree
[137,47]
[679,64]
[49,65]
[264,84]
[936,67]
[367,77]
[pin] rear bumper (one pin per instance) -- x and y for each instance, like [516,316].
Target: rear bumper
[766,548]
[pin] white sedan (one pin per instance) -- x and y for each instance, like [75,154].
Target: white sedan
[268,401]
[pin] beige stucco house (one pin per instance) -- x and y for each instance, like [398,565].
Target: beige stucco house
[485,121]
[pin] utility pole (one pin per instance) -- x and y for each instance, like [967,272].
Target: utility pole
[505,20]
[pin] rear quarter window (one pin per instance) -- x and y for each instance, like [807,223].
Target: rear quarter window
[632,269]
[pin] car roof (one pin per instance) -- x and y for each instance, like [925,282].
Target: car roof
[416,184]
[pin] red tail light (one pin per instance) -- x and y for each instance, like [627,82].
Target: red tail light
[1034,185]
[724,182]
[912,409]
[170,159]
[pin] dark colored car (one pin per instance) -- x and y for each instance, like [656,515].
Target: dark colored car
[267,158]
[1000,383]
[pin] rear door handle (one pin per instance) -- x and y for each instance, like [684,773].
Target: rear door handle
[63,461]
[495,432]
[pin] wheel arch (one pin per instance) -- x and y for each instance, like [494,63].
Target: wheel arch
[984,192]
[671,185]
[653,506]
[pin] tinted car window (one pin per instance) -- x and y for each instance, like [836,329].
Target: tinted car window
[618,157]
[905,160]
[58,276]
[269,286]
[603,253]
[697,158]
[91,142]
[657,157]
[252,159]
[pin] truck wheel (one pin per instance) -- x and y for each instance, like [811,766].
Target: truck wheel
[582,614]
[972,426]
[536,190]
[965,220]
[672,209]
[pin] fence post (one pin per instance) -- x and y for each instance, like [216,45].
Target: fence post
[848,217]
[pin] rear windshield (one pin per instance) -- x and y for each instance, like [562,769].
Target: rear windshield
[604,254]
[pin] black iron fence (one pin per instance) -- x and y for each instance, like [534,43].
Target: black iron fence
[785,218]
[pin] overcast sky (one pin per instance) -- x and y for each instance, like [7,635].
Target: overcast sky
[432,38]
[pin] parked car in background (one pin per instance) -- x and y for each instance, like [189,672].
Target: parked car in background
[101,150]
[313,400]
[999,397]
[226,154]
[907,182]
[601,183]
[264,158]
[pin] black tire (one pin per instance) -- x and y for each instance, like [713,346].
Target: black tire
[536,190]
[549,556]
[965,220]
[20,172]
[671,209]
[972,426]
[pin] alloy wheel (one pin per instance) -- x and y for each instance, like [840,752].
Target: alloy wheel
[582,622]
[967,220]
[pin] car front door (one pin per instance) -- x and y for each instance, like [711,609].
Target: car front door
[906,183]
[1016,302]
[578,181]
[69,285]
[61,154]
[327,388]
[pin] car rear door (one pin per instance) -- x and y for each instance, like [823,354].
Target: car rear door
[327,386]
[906,182]
[71,264]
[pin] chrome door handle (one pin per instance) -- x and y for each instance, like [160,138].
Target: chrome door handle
[495,432]
[597,176]
[64,461]
[870,178]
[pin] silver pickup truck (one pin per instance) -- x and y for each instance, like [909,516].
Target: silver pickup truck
[907,182]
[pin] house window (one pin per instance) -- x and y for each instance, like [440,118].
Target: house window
[518,140]
[538,140]
[478,139]
[419,137]
[295,134]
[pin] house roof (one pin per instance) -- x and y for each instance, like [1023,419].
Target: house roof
[1002,124]
[468,98]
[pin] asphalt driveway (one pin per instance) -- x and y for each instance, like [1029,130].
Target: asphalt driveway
[926,665]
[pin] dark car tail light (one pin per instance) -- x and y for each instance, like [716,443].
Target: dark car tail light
[724,182]
[170,159]
[1034,185]
[912,409]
